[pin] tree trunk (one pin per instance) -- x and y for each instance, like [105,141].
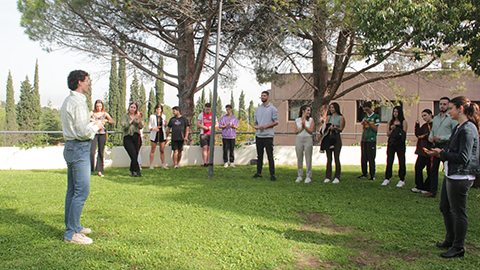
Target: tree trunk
[320,72]
[186,67]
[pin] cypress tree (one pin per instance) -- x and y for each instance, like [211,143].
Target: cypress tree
[34,97]
[232,103]
[11,116]
[241,107]
[219,109]
[122,85]
[251,112]
[24,106]
[134,89]
[151,102]
[159,85]
[199,107]
[113,94]
[142,102]
[89,95]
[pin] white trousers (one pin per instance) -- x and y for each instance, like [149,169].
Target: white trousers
[304,145]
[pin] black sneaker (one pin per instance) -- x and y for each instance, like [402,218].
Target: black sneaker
[205,165]
[362,177]
[139,174]
[131,174]
[372,179]
[257,175]
[272,178]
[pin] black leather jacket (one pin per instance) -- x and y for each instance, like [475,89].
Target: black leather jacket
[463,151]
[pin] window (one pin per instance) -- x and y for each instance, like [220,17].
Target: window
[294,107]
[382,108]
[436,106]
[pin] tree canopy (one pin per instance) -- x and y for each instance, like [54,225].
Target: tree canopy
[141,31]
[320,39]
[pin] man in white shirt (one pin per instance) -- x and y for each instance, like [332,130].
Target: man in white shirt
[78,131]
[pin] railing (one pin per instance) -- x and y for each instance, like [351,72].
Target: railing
[5,133]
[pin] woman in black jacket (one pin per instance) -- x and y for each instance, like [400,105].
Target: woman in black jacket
[460,165]
[397,134]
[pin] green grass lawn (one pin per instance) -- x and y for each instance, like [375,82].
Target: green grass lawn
[180,219]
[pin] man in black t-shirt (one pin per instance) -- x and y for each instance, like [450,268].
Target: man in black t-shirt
[180,126]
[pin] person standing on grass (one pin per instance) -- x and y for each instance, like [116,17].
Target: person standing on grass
[158,126]
[397,134]
[423,159]
[461,161]
[266,117]
[99,113]
[229,125]
[204,122]
[337,124]
[78,132]
[304,127]
[442,128]
[180,126]
[369,140]
[132,124]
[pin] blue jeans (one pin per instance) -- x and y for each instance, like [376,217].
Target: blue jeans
[77,156]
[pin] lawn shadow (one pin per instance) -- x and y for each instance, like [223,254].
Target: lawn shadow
[11,217]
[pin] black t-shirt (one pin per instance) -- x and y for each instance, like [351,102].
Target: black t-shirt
[179,127]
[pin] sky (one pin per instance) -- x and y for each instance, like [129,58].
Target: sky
[19,55]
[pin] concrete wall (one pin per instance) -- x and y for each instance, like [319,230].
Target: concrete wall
[52,157]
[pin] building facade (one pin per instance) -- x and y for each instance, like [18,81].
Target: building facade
[425,89]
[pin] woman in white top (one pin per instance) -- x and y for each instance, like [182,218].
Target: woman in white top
[337,124]
[158,125]
[304,127]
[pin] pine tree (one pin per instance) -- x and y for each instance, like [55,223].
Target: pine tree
[210,97]
[232,103]
[24,106]
[89,95]
[151,102]
[114,95]
[122,85]
[134,89]
[35,101]
[159,85]
[251,112]
[11,116]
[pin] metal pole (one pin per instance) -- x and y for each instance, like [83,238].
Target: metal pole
[214,101]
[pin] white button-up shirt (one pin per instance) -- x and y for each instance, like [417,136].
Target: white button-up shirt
[76,124]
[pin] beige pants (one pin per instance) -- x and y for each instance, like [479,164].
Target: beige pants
[304,145]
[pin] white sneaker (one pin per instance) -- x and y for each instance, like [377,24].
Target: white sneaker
[335,181]
[308,180]
[176,166]
[232,165]
[416,190]
[225,165]
[423,191]
[299,179]
[86,231]
[164,166]
[179,166]
[151,166]
[326,180]
[401,183]
[80,238]
[385,182]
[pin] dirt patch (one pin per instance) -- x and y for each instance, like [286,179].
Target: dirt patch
[317,221]
[308,262]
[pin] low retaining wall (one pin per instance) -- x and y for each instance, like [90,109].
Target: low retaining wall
[52,157]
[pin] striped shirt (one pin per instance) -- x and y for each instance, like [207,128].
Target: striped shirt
[75,115]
